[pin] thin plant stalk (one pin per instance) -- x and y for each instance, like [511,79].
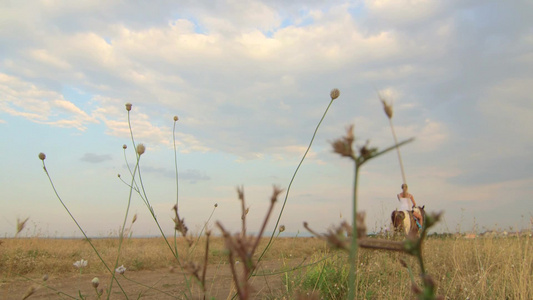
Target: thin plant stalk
[83,232]
[121,236]
[387,107]
[353,248]
[292,179]
[151,210]
[175,160]
[202,230]
[177,181]
[40,283]
[398,151]
[175,254]
[344,147]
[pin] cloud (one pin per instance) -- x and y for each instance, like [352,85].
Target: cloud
[95,158]
[194,176]
[190,175]
[24,99]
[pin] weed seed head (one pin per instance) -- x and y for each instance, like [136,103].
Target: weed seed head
[140,149]
[42,156]
[281,228]
[334,94]
[120,270]
[45,277]
[134,219]
[387,107]
[128,106]
[124,147]
[95,282]
[216,205]
[176,118]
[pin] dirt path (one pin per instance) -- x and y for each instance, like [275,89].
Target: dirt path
[157,284]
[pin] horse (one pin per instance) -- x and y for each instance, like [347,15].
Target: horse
[404,220]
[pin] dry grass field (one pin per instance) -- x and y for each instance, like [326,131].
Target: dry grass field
[480,268]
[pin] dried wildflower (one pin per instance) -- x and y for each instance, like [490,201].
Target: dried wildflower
[124,147]
[334,94]
[343,146]
[140,149]
[120,270]
[281,228]
[95,282]
[80,264]
[128,106]
[179,223]
[42,156]
[176,118]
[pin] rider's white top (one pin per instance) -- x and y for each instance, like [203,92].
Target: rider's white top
[405,203]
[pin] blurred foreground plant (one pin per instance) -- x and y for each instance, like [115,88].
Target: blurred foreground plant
[349,238]
[243,246]
[344,147]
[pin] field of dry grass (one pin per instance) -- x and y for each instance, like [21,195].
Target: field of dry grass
[481,268]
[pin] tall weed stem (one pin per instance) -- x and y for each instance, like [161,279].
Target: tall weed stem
[292,179]
[353,247]
[83,232]
[177,181]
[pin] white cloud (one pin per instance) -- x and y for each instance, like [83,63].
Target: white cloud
[400,12]
[43,56]
[24,99]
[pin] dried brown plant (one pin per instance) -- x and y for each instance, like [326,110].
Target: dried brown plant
[179,225]
[243,246]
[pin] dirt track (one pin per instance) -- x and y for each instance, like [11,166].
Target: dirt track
[218,282]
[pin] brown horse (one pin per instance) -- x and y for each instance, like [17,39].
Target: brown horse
[404,220]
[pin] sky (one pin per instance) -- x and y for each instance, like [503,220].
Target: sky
[249,81]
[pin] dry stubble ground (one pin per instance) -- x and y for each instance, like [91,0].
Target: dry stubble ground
[481,268]
[148,261]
